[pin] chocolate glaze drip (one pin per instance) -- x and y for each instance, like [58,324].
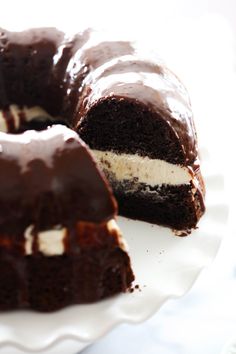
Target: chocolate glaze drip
[49,177]
[69,76]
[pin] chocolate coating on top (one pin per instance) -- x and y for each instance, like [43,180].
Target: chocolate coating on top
[153,88]
[48,177]
[69,76]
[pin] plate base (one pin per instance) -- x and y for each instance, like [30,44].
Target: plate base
[68,346]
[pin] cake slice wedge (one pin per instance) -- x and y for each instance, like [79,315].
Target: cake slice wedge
[59,241]
[136,117]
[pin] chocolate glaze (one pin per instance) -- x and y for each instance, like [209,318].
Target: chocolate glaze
[67,76]
[50,179]
[22,56]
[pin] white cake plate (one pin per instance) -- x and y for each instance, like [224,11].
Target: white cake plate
[165,266]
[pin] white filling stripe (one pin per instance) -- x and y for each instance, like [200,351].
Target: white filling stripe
[143,169]
[3,123]
[28,112]
[51,242]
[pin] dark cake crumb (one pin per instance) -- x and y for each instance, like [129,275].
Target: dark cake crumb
[135,287]
[182,233]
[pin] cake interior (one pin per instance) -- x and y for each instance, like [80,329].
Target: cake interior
[144,193]
[140,156]
[125,126]
[143,160]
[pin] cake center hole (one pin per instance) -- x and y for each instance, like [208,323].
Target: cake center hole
[16,119]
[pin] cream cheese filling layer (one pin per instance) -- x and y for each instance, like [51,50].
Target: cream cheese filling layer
[29,113]
[51,242]
[142,169]
[3,123]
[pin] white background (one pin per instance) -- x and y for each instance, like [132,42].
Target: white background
[197,39]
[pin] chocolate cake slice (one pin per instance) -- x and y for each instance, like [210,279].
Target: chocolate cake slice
[130,109]
[137,119]
[59,241]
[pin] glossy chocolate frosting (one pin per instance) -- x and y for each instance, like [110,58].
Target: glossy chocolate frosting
[49,178]
[68,76]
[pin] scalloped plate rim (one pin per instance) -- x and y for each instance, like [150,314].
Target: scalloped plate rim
[55,339]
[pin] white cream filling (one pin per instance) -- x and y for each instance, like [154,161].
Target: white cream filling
[28,240]
[29,114]
[51,242]
[142,169]
[3,123]
[112,226]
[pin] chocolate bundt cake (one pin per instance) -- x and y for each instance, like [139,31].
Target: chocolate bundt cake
[136,117]
[59,242]
[132,111]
